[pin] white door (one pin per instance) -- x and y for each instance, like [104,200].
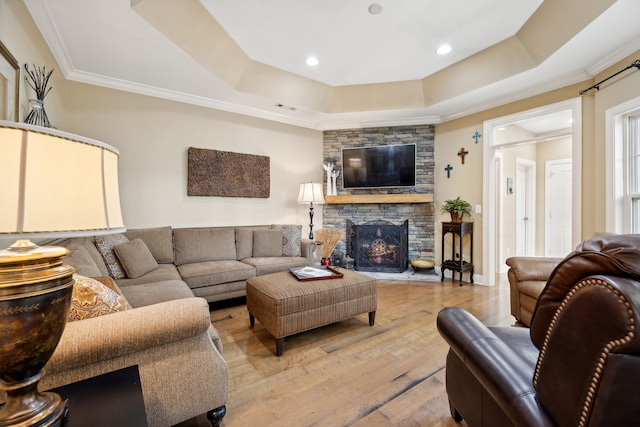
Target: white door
[525,207]
[558,208]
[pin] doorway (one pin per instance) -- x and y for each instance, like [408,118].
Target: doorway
[527,135]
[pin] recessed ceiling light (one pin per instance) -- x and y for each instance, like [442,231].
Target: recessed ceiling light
[312,61]
[444,49]
[375,8]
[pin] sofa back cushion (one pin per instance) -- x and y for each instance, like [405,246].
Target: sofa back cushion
[244,240]
[159,241]
[267,243]
[203,244]
[81,260]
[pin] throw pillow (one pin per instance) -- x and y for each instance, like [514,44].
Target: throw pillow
[267,243]
[90,298]
[291,238]
[105,246]
[136,258]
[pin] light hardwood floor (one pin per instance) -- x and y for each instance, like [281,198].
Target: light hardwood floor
[350,374]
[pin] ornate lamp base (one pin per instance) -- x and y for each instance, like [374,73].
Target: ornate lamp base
[35,294]
[26,406]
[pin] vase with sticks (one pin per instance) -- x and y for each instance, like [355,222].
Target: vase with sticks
[38,79]
[330,239]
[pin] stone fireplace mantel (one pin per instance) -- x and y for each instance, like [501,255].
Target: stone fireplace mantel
[378,198]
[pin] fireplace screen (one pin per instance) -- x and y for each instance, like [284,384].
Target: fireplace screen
[379,246]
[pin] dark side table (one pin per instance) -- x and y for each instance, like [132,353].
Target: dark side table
[111,399]
[457,230]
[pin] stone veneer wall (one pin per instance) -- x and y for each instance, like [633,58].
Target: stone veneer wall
[420,215]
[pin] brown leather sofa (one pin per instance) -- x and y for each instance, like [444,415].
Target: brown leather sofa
[527,278]
[578,365]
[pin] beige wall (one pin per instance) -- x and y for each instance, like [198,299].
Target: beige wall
[153,136]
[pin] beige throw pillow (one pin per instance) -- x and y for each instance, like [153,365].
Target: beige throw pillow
[267,243]
[136,258]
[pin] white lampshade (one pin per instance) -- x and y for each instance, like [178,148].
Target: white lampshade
[310,193]
[55,184]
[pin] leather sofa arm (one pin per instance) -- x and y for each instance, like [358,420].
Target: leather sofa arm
[532,268]
[592,348]
[500,371]
[89,341]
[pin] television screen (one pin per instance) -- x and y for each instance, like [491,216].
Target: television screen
[380,166]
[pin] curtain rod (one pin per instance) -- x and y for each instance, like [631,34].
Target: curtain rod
[596,86]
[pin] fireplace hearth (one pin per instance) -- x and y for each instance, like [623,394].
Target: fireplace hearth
[378,246]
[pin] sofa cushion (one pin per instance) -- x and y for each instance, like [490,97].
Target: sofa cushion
[204,244]
[163,272]
[159,241]
[136,258]
[215,272]
[267,243]
[268,265]
[91,298]
[157,292]
[105,245]
[291,238]
[81,260]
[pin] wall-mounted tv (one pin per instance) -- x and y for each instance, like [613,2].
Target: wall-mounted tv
[379,166]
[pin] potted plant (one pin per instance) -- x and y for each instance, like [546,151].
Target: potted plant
[456,208]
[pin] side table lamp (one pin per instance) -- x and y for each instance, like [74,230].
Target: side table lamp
[310,193]
[54,185]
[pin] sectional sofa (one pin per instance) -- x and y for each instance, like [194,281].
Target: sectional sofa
[166,276]
[215,262]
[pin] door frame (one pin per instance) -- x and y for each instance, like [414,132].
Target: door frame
[489,196]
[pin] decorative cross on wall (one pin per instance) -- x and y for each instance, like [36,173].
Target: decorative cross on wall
[476,136]
[448,169]
[462,153]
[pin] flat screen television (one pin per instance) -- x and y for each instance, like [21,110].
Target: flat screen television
[379,166]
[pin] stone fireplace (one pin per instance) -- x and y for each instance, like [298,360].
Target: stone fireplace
[379,246]
[418,214]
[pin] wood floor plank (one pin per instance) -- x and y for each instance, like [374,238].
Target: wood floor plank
[348,373]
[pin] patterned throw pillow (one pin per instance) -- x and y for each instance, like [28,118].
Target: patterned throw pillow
[105,246]
[90,298]
[291,237]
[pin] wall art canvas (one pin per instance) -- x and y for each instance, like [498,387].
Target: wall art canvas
[227,174]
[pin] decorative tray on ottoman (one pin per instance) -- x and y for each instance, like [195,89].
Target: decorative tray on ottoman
[305,274]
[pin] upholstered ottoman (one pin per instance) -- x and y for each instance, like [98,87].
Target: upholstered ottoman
[287,306]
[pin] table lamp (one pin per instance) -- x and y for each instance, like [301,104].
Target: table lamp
[310,193]
[54,184]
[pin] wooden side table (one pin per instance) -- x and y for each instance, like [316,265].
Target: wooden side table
[111,399]
[457,229]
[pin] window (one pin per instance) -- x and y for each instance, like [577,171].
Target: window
[623,168]
[632,137]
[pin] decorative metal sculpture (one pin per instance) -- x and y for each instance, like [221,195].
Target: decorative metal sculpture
[38,79]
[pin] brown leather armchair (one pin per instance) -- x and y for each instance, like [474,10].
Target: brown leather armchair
[527,278]
[578,365]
